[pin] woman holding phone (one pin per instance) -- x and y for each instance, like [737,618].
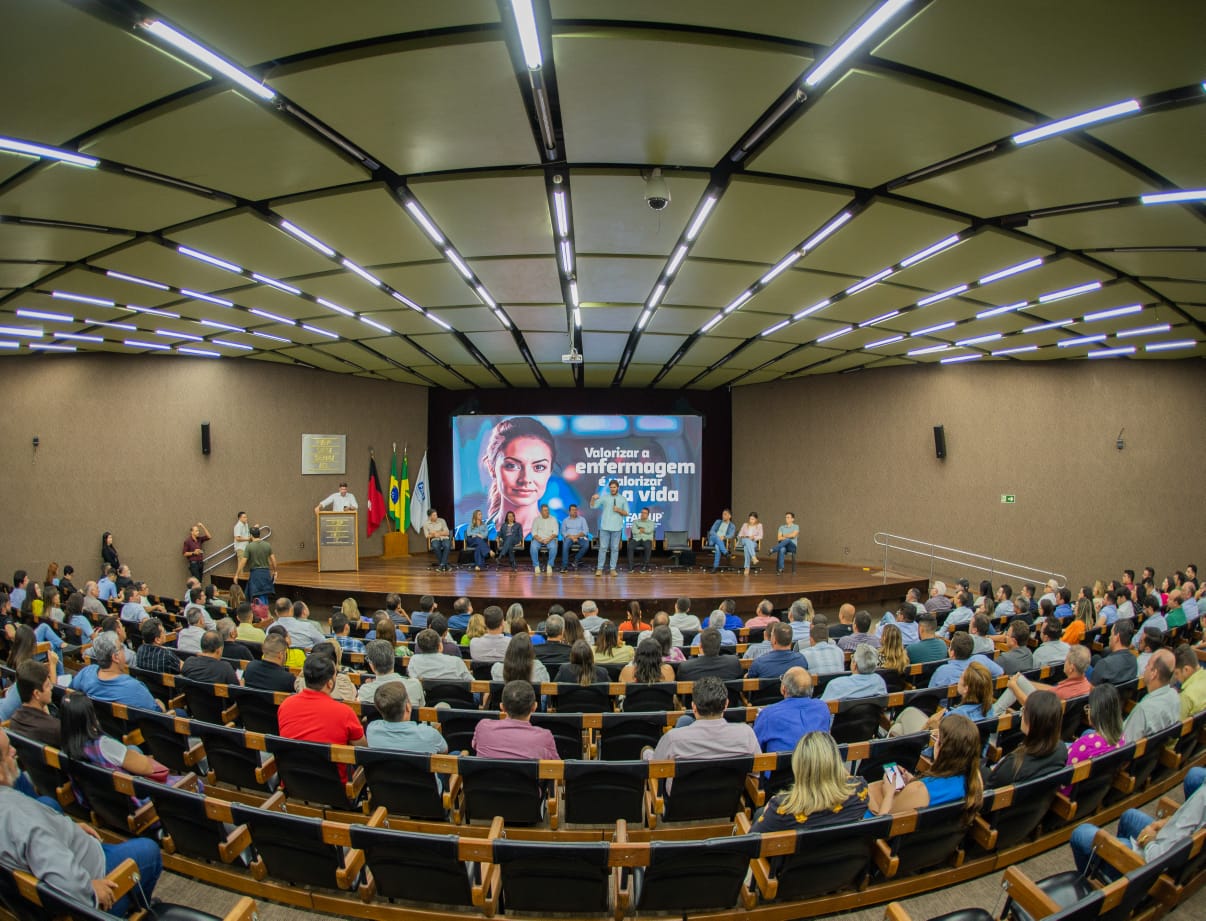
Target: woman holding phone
[954,774]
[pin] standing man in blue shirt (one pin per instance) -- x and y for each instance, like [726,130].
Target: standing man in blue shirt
[573,537]
[789,533]
[611,524]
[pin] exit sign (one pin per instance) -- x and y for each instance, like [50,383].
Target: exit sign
[1008,498]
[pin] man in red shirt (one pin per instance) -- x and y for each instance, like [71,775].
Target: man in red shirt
[1075,684]
[313,716]
[514,736]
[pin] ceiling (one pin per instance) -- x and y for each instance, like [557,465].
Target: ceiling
[396,194]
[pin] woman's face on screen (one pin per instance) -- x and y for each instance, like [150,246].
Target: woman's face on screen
[523,469]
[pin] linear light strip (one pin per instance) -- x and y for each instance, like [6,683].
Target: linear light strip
[362,272]
[941,295]
[307,238]
[1164,198]
[529,38]
[1073,122]
[1068,292]
[997,311]
[232,345]
[930,251]
[222,302]
[1012,270]
[146,282]
[955,359]
[853,41]
[701,215]
[869,281]
[49,153]
[272,282]
[212,260]
[881,342]
[179,40]
[1113,312]
[1015,350]
[42,315]
[1142,331]
[83,299]
[1166,346]
[1113,353]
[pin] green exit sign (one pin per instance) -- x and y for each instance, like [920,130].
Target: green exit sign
[1008,498]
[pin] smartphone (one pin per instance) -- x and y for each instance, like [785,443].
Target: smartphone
[892,772]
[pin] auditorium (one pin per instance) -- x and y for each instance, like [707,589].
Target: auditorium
[602,459]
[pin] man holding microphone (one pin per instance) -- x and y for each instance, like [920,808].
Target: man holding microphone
[611,524]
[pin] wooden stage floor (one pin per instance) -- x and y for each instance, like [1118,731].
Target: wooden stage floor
[826,584]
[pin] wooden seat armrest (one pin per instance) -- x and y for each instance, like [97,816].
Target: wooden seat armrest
[1064,807]
[245,910]
[452,794]
[1025,891]
[887,862]
[756,794]
[1170,759]
[235,844]
[142,819]
[767,884]
[1115,853]
[354,786]
[230,714]
[896,912]
[485,894]
[742,824]
[621,835]
[176,703]
[379,818]
[267,770]
[124,877]
[1124,782]
[194,756]
[186,782]
[275,803]
[133,737]
[1166,807]
[984,834]
[353,863]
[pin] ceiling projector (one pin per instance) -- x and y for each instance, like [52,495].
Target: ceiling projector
[573,358]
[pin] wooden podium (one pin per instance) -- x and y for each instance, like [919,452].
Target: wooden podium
[338,541]
[396,544]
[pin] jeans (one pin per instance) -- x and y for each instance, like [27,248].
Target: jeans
[609,540]
[644,546]
[579,545]
[145,853]
[750,546]
[440,546]
[719,549]
[782,548]
[480,547]
[508,550]
[43,634]
[536,548]
[1133,821]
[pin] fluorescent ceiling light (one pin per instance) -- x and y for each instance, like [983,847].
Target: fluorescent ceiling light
[1045,326]
[41,315]
[1016,350]
[1164,198]
[573,287]
[208,58]
[5,344]
[330,305]
[567,257]
[1115,312]
[288,289]
[955,359]
[169,334]
[1112,353]
[50,153]
[503,318]
[775,328]
[129,327]
[1142,331]
[834,334]
[976,340]
[206,297]
[122,276]
[941,295]
[932,329]
[930,251]
[407,301]
[868,282]
[155,346]
[879,342]
[644,319]
[425,222]
[1068,292]
[704,210]
[306,238]
[199,353]
[741,299]
[374,324]
[928,350]
[67,296]
[1165,346]
[232,345]
[48,347]
[485,296]
[1076,341]
[438,321]
[883,316]
[578,317]
[33,333]
[997,311]
[808,311]
[1012,270]
[712,322]
[854,41]
[151,310]
[271,337]
[212,260]
[226,326]
[320,331]
[275,317]
[1077,121]
[529,38]
[676,260]
[363,273]
[560,210]
[79,337]
[656,297]
[828,230]
[783,265]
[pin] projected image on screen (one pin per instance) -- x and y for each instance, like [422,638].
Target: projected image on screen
[517,463]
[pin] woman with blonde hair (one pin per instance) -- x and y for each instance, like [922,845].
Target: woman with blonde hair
[350,610]
[824,792]
[893,657]
[476,628]
[1084,618]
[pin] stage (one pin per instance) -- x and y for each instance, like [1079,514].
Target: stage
[828,585]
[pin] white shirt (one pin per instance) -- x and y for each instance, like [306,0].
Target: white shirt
[544,527]
[339,503]
[243,530]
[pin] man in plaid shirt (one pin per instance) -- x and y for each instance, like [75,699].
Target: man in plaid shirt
[341,630]
[152,655]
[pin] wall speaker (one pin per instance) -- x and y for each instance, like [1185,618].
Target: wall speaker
[939,442]
[205,437]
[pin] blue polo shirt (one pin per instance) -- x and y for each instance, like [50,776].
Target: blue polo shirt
[780,726]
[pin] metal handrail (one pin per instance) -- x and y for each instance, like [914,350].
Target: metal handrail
[226,554]
[965,560]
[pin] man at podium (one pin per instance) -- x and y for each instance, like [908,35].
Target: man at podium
[342,501]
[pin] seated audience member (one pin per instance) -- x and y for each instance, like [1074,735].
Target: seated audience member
[905,621]
[429,661]
[800,615]
[1052,650]
[380,658]
[975,687]
[1084,619]
[609,649]
[24,649]
[845,625]
[32,719]
[1074,683]
[395,730]
[980,630]
[462,611]
[591,621]
[247,631]
[764,615]
[732,620]
[1152,619]
[781,657]
[1041,751]
[189,638]
[231,647]
[421,617]
[208,665]
[269,672]
[861,634]
[635,621]
[1118,666]
[715,621]
[1160,707]
[862,682]
[312,715]
[954,775]
[439,623]
[1063,606]
[662,619]
[929,647]
[492,645]
[520,663]
[384,629]
[581,668]
[514,736]
[893,659]
[647,667]
[780,725]
[152,655]
[83,740]
[1191,678]
[938,602]
[106,678]
[554,652]
[823,657]
[710,735]
[341,632]
[66,854]
[1150,640]
[1109,610]
[711,662]
[661,635]
[682,619]
[1103,713]
[823,792]
[961,613]
[393,607]
[198,601]
[1017,656]
[132,610]
[960,657]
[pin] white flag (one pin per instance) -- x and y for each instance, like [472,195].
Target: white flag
[420,497]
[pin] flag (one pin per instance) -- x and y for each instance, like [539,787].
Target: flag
[395,494]
[404,490]
[376,501]
[420,497]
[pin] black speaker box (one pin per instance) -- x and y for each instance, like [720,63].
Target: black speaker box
[940,442]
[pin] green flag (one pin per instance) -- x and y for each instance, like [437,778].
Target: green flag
[396,500]
[404,485]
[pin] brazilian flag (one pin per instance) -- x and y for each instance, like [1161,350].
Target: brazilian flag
[404,490]
[397,501]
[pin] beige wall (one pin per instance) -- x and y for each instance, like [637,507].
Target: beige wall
[854,454]
[121,451]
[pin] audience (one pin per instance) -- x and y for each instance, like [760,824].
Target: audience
[1118,666]
[710,662]
[823,792]
[782,655]
[1041,750]
[862,681]
[269,673]
[953,775]
[1160,707]
[710,735]
[514,736]
[208,666]
[430,661]
[380,658]
[395,730]
[780,725]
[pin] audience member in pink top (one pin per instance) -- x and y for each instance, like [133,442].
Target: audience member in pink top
[1104,714]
